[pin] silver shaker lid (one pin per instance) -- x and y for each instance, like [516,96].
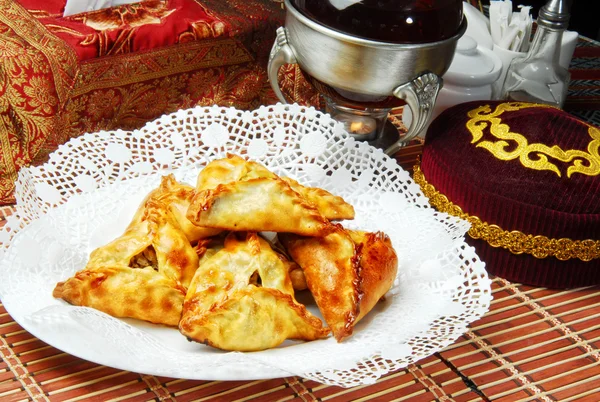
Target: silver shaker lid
[554,14]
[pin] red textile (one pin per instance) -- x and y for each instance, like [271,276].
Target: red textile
[145,26]
[121,67]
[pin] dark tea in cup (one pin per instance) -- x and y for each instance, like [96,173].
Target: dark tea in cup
[394,21]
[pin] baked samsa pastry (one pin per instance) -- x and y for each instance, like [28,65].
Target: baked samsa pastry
[236,169]
[231,168]
[347,273]
[331,206]
[241,299]
[259,204]
[177,197]
[145,272]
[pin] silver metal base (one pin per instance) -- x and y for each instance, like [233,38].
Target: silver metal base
[410,72]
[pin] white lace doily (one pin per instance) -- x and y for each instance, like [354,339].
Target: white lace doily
[87,192]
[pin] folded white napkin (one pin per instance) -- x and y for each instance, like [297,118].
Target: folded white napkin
[342,4]
[510,31]
[478,26]
[81,6]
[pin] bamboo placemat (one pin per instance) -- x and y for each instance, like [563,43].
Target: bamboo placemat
[534,344]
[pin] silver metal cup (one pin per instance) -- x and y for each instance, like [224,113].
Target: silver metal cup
[407,71]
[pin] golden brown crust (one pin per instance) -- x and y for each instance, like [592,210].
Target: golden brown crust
[178,198]
[298,278]
[233,169]
[378,267]
[347,273]
[229,169]
[110,282]
[260,204]
[330,275]
[330,206]
[226,309]
[119,291]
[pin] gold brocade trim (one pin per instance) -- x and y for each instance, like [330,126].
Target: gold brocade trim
[62,58]
[37,71]
[131,68]
[126,15]
[536,156]
[44,14]
[130,106]
[514,241]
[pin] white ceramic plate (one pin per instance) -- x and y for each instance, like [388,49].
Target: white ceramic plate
[86,194]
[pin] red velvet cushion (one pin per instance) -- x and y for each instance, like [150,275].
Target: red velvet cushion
[123,66]
[523,167]
[147,25]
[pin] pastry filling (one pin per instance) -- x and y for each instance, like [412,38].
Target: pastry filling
[147,258]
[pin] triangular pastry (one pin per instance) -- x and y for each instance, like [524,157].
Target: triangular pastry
[144,273]
[347,272]
[259,204]
[236,169]
[241,299]
[331,206]
[231,168]
[178,197]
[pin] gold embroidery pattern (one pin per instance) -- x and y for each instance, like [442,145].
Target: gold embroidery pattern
[515,241]
[130,68]
[115,27]
[296,87]
[37,71]
[18,26]
[536,156]
[125,19]
[204,29]
[126,15]
[130,105]
[48,96]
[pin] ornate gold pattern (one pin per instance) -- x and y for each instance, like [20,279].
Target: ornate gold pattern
[536,156]
[37,71]
[124,19]
[204,29]
[136,67]
[130,105]
[47,95]
[201,30]
[296,87]
[44,14]
[126,15]
[514,241]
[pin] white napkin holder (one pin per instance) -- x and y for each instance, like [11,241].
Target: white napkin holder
[73,7]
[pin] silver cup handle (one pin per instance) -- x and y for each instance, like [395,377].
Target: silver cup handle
[420,95]
[281,53]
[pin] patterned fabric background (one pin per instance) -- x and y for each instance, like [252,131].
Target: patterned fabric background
[583,99]
[121,67]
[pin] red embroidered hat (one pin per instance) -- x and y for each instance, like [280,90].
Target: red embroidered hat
[527,177]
